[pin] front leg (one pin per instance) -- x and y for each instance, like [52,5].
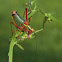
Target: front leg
[11,26]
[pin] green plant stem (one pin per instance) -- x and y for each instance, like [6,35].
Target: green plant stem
[38,30]
[11,49]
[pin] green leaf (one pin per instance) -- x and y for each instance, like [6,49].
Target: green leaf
[20,46]
[33,2]
[50,17]
[31,14]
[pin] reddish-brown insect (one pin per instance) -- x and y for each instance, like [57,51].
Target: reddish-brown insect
[20,23]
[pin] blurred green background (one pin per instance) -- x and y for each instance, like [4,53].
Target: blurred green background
[47,46]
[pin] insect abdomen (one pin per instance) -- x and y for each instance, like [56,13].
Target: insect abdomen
[18,19]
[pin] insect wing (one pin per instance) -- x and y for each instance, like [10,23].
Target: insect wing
[18,19]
